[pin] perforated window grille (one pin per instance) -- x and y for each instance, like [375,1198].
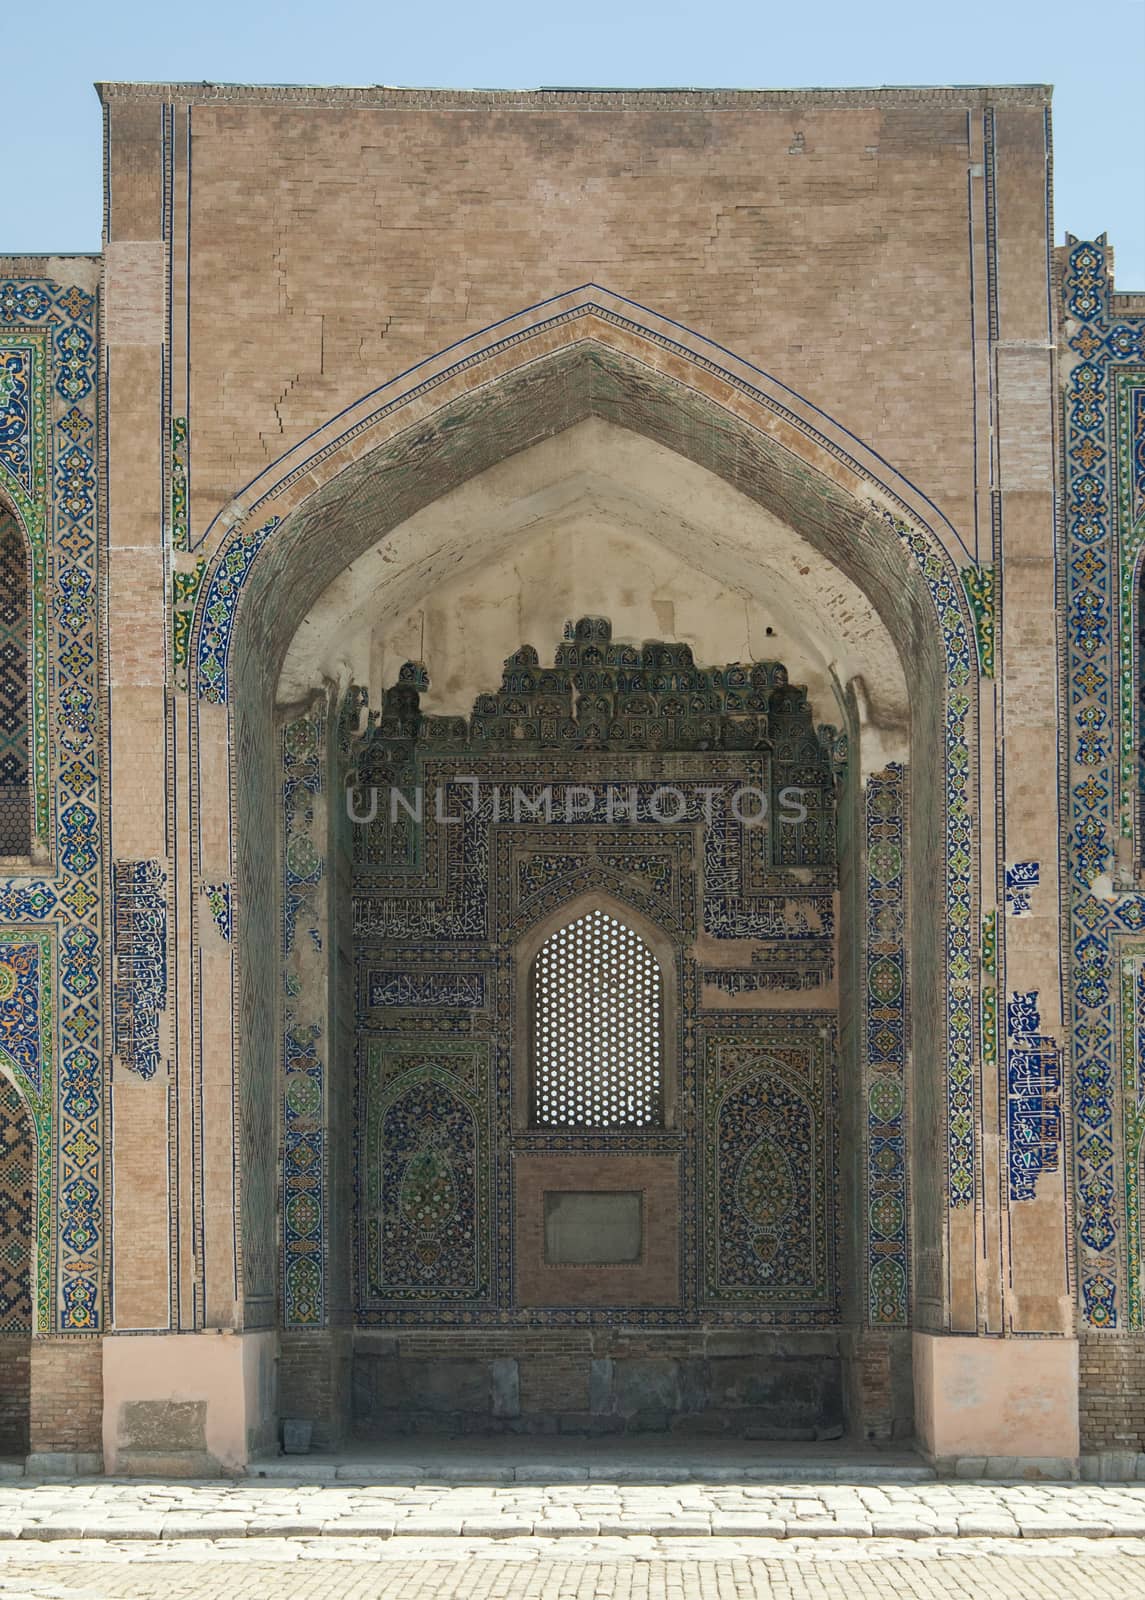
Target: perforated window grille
[597,1028]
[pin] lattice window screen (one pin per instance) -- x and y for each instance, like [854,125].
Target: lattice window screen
[597,1028]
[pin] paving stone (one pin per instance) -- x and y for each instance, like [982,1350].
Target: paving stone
[978,1524]
[892,1527]
[747,1525]
[494,1527]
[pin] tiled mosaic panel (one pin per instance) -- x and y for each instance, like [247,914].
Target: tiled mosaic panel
[305,1202]
[886,1017]
[15,788]
[55,494]
[17,398]
[17,1210]
[1104,429]
[437,901]
[426,1156]
[26,1046]
[25,352]
[1139,422]
[959,716]
[1133,1096]
[770,1163]
[139,957]
[1033,1097]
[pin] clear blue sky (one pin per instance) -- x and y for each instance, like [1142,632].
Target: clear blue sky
[1093,54]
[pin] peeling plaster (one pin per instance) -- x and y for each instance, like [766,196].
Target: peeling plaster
[599,520]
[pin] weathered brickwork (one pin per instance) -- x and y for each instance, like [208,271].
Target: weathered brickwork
[15,1392]
[663,440]
[1112,1394]
[66,1396]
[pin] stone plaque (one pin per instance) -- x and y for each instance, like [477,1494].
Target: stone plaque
[598,1228]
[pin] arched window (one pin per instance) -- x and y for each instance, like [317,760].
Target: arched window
[597,1034]
[15,785]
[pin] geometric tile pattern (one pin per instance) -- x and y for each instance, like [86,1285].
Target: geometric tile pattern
[23,480]
[180,527]
[27,1090]
[981,593]
[1139,676]
[753,1133]
[305,1201]
[15,785]
[219,609]
[16,443]
[769,1159]
[888,1249]
[1133,1100]
[426,1223]
[53,487]
[184,595]
[959,862]
[17,1210]
[1101,558]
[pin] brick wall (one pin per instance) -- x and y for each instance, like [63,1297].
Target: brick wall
[313,1382]
[1112,1397]
[14,1388]
[67,1395]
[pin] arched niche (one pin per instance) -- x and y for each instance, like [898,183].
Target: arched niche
[359,494]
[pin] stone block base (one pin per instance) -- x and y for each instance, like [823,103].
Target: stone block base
[64,1464]
[187,1404]
[762,1385]
[997,1407]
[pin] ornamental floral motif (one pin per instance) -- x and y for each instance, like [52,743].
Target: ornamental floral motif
[1103,542]
[50,331]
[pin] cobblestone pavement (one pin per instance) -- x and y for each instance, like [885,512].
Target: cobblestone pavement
[142,1510]
[604,1569]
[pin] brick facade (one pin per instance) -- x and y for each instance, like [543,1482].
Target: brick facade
[370,394]
[66,1397]
[1112,1400]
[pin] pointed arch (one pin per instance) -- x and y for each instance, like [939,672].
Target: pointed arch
[288,535]
[588,352]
